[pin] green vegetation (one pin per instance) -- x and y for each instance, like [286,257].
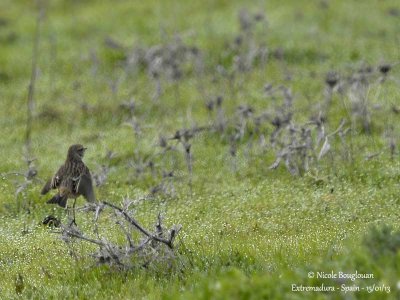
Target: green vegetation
[248,231]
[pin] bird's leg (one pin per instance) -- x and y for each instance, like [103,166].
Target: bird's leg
[68,212]
[73,213]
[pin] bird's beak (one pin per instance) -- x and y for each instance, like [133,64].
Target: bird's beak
[84,149]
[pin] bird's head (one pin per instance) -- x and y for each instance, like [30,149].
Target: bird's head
[76,152]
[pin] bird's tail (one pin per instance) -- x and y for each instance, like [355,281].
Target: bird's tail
[60,200]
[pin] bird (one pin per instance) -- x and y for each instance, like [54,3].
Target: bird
[72,180]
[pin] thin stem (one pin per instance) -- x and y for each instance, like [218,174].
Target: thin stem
[31,89]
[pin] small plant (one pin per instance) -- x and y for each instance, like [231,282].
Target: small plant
[29,177]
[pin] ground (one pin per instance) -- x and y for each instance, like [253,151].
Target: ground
[248,231]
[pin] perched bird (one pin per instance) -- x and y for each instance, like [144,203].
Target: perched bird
[72,179]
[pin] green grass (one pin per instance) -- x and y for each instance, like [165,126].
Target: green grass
[249,234]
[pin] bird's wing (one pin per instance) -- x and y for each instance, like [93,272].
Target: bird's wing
[54,182]
[85,187]
[46,188]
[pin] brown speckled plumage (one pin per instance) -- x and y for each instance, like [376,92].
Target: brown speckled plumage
[72,179]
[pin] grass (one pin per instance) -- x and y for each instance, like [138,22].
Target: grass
[249,234]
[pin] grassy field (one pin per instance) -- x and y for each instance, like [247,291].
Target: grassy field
[122,77]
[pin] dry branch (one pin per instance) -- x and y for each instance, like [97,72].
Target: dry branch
[123,255]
